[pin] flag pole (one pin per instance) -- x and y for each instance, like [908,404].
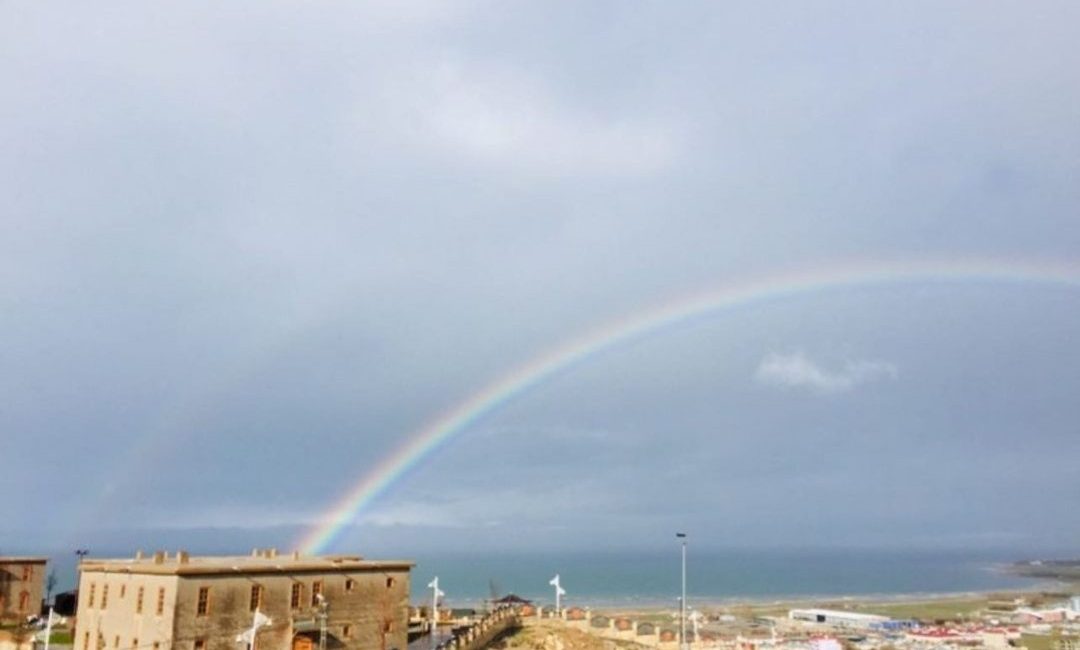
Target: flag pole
[48,628]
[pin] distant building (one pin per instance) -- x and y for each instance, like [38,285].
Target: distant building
[1051,615]
[203,603]
[22,583]
[65,603]
[839,618]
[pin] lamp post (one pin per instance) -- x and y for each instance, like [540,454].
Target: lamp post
[682,601]
[81,553]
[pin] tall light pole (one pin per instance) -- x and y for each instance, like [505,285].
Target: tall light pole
[81,553]
[682,601]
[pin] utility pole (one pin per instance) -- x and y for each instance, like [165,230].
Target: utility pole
[682,601]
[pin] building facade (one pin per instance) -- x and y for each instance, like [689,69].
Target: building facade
[179,602]
[22,583]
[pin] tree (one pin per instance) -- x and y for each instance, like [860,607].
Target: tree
[50,584]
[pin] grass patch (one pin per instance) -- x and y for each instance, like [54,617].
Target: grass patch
[62,637]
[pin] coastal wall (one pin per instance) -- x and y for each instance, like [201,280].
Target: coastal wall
[620,628]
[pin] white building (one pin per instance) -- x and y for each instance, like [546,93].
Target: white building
[837,618]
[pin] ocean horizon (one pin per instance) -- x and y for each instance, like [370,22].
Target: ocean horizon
[618,578]
[652,579]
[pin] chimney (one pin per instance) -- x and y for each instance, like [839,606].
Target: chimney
[159,557]
[296,555]
[139,554]
[271,552]
[182,557]
[255,552]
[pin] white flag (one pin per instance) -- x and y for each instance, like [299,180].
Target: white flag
[260,620]
[554,582]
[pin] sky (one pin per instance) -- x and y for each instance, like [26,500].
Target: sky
[249,250]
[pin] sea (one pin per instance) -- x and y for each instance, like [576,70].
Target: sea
[653,579]
[619,578]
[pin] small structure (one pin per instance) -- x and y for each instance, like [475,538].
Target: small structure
[575,614]
[512,600]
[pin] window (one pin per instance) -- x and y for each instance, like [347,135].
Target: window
[86,641]
[389,583]
[316,591]
[123,590]
[27,573]
[157,645]
[139,600]
[104,596]
[256,598]
[116,641]
[350,584]
[388,626]
[202,607]
[90,598]
[24,601]
[200,644]
[297,592]
[346,631]
[160,601]
[134,643]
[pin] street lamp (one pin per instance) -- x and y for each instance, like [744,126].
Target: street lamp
[81,553]
[682,601]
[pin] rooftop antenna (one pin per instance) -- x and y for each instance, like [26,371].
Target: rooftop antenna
[559,593]
[436,593]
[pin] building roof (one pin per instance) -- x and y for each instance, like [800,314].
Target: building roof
[260,561]
[855,616]
[22,559]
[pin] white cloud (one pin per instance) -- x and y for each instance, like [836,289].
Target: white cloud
[797,371]
[503,116]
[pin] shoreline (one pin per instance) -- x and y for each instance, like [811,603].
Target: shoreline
[756,604]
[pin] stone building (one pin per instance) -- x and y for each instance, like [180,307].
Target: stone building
[22,583]
[179,602]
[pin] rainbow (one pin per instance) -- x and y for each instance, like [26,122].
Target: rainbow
[424,443]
